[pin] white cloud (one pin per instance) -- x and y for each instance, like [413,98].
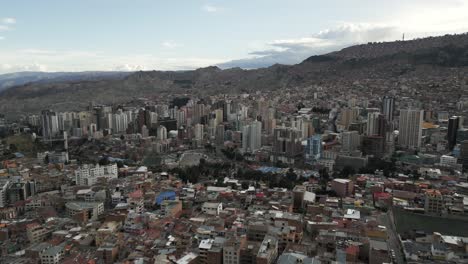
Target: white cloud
[170,44]
[210,8]
[9,20]
[7,68]
[291,51]
[79,60]
[4,27]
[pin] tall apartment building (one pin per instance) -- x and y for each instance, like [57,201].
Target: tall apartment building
[350,141]
[410,130]
[252,137]
[50,124]
[388,107]
[287,145]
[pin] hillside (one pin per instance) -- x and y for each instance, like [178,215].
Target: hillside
[20,78]
[445,56]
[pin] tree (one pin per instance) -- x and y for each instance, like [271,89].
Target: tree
[347,171]
[245,185]
[291,175]
[13,148]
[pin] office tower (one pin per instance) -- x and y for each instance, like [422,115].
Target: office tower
[372,127]
[452,131]
[316,124]
[388,107]
[252,137]
[100,113]
[350,141]
[181,117]
[50,126]
[373,146]
[161,133]
[218,117]
[464,154]
[198,131]
[410,130]
[198,113]
[348,116]
[376,124]
[220,134]
[314,148]
[287,145]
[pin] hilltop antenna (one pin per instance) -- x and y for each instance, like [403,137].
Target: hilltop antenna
[403,36]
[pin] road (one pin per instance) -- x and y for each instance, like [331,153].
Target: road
[393,240]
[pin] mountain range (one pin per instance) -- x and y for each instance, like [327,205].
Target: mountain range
[424,58]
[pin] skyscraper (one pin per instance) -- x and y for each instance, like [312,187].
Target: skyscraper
[388,106]
[287,145]
[50,126]
[410,130]
[452,131]
[350,141]
[372,123]
[252,137]
[464,154]
[314,148]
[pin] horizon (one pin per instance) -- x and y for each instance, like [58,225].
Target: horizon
[115,36]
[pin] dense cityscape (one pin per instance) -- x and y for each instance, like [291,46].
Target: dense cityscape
[233,132]
[297,176]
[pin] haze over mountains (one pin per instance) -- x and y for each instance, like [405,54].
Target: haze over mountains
[416,59]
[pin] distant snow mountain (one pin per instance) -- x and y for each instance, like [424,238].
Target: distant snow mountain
[20,78]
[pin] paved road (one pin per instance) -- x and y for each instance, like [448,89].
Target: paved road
[393,241]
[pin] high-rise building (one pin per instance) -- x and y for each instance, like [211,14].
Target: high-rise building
[50,125]
[350,141]
[376,124]
[388,107]
[464,154]
[198,131]
[410,130]
[314,148]
[452,131]
[252,137]
[348,116]
[287,146]
[161,133]
[373,145]
[220,134]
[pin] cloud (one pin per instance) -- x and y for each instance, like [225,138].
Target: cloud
[2,38]
[7,68]
[210,8]
[82,60]
[4,27]
[291,51]
[170,44]
[9,20]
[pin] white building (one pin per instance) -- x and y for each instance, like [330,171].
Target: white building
[252,137]
[410,131]
[162,133]
[212,208]
[89,174]
[448,161]
[52,255]
[4,183]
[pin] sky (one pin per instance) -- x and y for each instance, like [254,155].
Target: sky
[127,35]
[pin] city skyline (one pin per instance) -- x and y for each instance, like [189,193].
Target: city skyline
[156,35]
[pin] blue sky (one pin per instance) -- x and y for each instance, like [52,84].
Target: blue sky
[53,35]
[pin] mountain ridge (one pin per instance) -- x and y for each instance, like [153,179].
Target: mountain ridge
[377,61]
